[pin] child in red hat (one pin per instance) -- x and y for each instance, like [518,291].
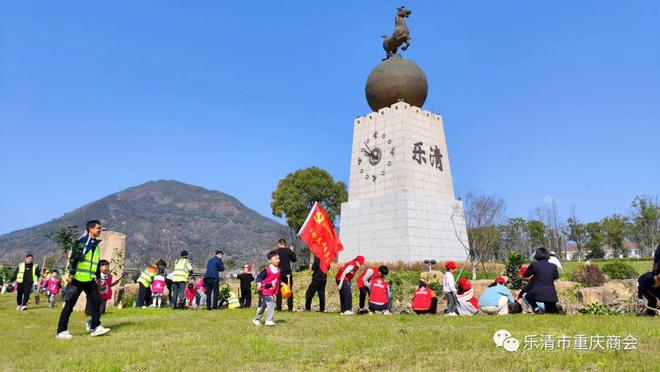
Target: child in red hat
[449,289]
[467,303]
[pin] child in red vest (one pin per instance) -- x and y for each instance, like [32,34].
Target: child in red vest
[343,278]
[268,285]
[53,287]
[107,282]
[380,298]
[200,287]
[363,285]
[157,289]
[190,294]
[424,299]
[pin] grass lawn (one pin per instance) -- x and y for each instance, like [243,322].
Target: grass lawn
[161,339]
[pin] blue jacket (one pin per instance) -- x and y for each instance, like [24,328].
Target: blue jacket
[491,295]
[213,268]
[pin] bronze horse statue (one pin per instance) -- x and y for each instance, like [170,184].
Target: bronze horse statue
[401,33]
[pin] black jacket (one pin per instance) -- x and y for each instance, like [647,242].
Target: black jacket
[286,257]
[543,283]
[246,280]
[645,283]
[318,274]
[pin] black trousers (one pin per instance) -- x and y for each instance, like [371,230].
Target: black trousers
[168,284]
[23,291]
[379,307]
[550,307]
[212,292]
[144,296]
[316,286]
[285,278]
[364,291]
[432,310]
[246,297]
[651,295]
[71,295]
[345,296]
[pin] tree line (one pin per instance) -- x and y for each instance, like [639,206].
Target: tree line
[492,236]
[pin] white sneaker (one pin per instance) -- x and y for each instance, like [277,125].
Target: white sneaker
[451,314]
[144,307]
[18,307]
[348,312]
[387,312]
[64,335]
[99,331]
[88,325]
[256,322]
[270,323]
[23,308]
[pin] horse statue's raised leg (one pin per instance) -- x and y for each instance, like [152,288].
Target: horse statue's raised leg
[406,41]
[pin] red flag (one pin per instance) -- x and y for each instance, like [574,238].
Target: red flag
[320,236]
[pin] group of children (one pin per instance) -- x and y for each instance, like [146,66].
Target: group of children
[371,283]
[50,285]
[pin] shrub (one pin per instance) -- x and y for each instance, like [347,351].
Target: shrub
[436,287]
[598,309]
[620,270]
[588,275]
[512,270]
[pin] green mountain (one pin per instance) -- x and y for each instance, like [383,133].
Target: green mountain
[161,218]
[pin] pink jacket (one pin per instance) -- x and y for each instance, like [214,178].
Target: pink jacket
[200,284]
[158,285]
[53,285]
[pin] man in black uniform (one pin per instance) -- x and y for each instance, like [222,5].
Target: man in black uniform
[319,278]
[287,255]
[25,276]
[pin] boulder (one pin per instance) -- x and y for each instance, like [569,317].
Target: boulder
[624,289]
[597,295]
[432,276]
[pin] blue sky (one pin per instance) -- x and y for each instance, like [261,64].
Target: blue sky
[542,99]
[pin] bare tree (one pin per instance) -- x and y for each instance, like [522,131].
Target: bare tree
[167,241]
[576,231]
[646,223]
[483,215]
[550,217]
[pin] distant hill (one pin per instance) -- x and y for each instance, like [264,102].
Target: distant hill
[161,218]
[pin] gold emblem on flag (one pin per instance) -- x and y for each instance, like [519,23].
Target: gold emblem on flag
[318,217]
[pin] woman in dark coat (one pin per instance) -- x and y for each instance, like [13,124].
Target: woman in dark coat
[543,275]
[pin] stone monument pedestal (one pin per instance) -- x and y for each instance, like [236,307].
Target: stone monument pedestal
[401,204]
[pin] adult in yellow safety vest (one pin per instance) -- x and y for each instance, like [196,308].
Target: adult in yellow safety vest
[83,277]
[144,286]
[182,270]
[26,275]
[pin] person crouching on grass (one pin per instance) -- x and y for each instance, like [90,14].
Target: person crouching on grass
[380,298]
[424,300]
[268,285]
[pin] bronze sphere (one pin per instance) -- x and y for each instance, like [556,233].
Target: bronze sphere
[396,79]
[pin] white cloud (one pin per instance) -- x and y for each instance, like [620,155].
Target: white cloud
[548,199]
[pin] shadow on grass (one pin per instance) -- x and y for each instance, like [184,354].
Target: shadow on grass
[119,325]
